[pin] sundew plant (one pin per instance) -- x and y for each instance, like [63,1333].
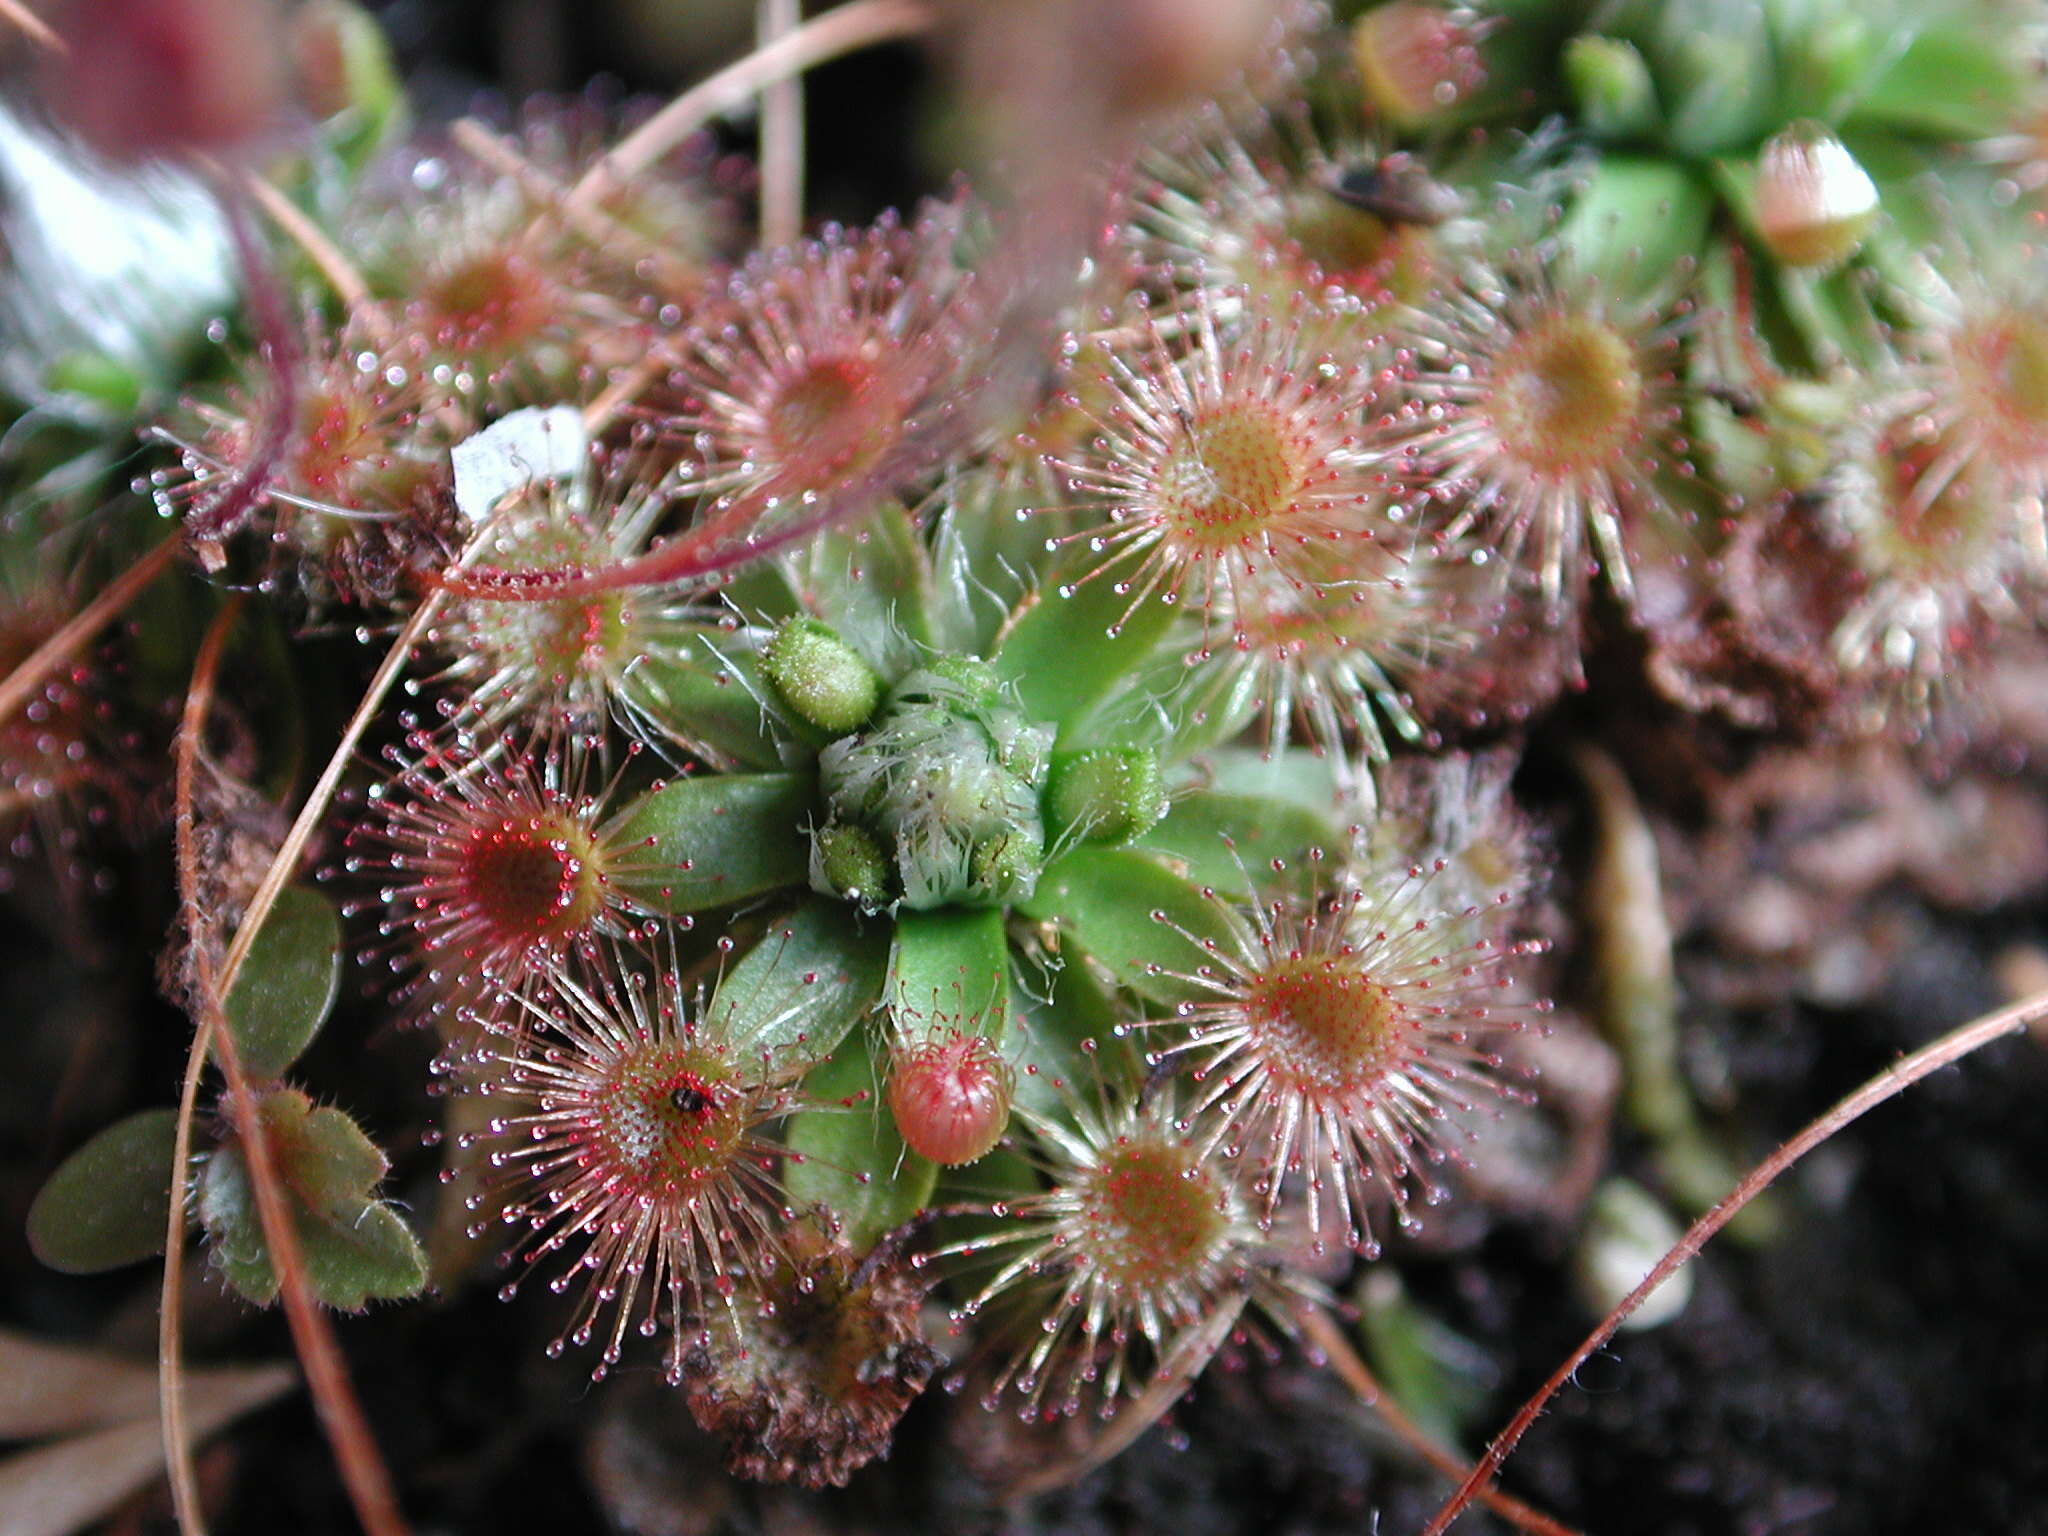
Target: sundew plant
[985,800]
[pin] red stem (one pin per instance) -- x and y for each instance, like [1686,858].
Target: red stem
[1951,1047]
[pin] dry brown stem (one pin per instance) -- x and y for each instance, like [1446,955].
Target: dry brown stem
[1951,1047]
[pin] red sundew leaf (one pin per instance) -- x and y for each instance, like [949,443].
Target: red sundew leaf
[973,373]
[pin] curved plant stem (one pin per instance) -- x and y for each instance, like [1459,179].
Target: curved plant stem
[183,1476]
[274,880]
[340,272]
[838,31]
[593,224]
[341,1414]
[31,26]
[782,135]
[1951,1047]
[279,874]
[1322,1331]
[72,636]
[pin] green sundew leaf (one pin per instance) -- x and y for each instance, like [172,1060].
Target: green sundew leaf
[107,384]
[1068,648]
[871,582]
[983,557]
[711,841]
[287,985]
[951,969]
[1440,1377]
[850,1159]
[1296,776]
[709,700]
[1068,1044]
[760,593]
[108,1203]
[1951,82]
[1135,917]
[372,111]
[1828,57]
[1213,703]
[1718,84]
[356,1247]
[1635,221]
[1199,834]
[807,981]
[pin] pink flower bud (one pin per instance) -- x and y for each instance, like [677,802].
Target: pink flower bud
[950,1097]
[1814,203]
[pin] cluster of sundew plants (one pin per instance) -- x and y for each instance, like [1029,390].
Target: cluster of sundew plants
[869,819]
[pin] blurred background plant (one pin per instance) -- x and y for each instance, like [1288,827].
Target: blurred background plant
[1279,726]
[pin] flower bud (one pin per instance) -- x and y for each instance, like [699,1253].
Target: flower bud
[1814,203]
[140,78]
[1107,795]
[1611,85]
[950,1096]
[846,861]
[947,776]
[1417,60]
[819,677]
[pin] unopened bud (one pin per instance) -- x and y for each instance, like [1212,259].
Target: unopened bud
[847,862]
[140,78]
[1814,203]
[950,1096]
[1106,795]
[1418,61]
[821,678]
[1611,85]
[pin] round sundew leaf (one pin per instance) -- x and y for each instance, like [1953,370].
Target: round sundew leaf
[108,1203]
[1133,916]
[850,1159]
[1229,841]
[950,970]
[1058,648]
[807,981]
[287,985]
[711,841]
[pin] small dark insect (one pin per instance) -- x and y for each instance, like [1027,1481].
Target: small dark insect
[690,1099]
[1395,188]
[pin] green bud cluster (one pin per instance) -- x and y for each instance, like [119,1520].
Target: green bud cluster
[941,789]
